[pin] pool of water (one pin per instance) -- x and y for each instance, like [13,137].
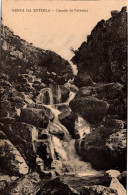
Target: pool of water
[79,179]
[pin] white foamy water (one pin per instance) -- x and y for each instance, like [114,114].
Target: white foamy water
[65,148]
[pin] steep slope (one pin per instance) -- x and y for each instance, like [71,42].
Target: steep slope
[103,56]
[20,57]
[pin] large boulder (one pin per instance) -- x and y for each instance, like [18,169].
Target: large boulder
[64,93]
[47,110]
[109,90]
[115,184]
[23,136]
[12,162]
[83,80]
[35,117]
[103,150]
[25,185]
[56,129]
[112,173]
[98,190]
[88,107]
[68,120]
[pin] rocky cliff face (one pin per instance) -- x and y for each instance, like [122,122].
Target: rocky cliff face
[101,98]
[103,56]
[23,57]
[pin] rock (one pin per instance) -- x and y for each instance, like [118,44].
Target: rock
[23,136]
[35,117]
[48,111]
[2,135]
[104,151]
[117,107]
[83,79]
[25,185]
[27,132]
[98,190]
[2,185]
[115,184]
[69,121]
[55,186]
[123,178]
[64,93]
[108,91]
[7,120]
[88,107]
[84,91]
[11,160]
[117,141]
[112,173]
[6,107]
[57,129]
[102,41]
[4,181]
[114,123]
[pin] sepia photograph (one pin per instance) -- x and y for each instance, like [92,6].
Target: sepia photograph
[63,97]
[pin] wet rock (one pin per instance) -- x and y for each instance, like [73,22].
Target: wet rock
[88,107]
[69,121]
[56,129]
[98,190]
[55,186]
[64,93]
[35,117]
[115,184]
[11,160]
[25,185]
[83,79]
[104,151]
[123,178]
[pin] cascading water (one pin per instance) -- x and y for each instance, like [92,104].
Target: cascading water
[45,97]
[64,148]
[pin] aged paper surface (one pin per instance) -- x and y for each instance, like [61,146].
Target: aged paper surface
[63,97]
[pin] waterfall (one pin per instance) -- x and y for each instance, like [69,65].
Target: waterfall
[45,97]
[82,127]
[63,150]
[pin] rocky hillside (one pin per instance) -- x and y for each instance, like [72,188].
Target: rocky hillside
[101,98]
[103,56]
[23,57]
